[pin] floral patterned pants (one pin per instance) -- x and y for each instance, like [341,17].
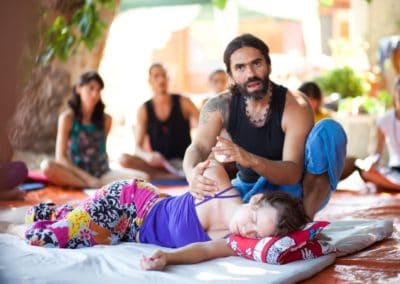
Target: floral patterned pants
[107,218]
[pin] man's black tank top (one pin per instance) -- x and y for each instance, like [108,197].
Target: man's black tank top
[170,137]
[266,141]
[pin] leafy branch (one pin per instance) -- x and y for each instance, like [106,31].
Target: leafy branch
[66,33]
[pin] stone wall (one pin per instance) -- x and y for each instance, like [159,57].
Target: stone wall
[34,124]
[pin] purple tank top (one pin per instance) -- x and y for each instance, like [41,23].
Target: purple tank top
[173,222]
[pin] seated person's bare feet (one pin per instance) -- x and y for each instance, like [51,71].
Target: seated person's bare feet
[12,194]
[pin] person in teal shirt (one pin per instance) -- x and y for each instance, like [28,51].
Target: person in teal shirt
[81,159]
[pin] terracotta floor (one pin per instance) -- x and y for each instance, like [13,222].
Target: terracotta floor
[378,263]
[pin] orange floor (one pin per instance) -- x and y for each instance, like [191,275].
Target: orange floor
[378,263]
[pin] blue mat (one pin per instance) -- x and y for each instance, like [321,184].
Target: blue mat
[170,182]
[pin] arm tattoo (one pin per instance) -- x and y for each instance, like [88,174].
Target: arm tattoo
[219,104]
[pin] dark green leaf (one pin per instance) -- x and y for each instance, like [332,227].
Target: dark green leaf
[64,36]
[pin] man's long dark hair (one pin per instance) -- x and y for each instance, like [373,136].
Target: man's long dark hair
[98,116]
[245,40]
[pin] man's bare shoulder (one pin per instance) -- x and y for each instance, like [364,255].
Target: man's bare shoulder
[297,108]
[296,99]
[218,104]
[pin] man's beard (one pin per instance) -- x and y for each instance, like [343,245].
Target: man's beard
[256,95]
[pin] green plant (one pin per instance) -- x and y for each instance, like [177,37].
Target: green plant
[343,81]
[386,98]
[66,33]
[220,4]
[327,3]
[362,104]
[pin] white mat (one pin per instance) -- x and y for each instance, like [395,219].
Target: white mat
[20,263]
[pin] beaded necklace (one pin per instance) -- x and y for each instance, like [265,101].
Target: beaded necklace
[258,122]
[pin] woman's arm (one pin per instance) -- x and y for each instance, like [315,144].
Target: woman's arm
[63,129]
[107,123]
[153,158]
[193,253]
[190,111]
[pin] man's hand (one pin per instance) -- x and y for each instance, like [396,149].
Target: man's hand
[157,261]
[231,152]
[200,185]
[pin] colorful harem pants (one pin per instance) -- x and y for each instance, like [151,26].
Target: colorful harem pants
[114,214]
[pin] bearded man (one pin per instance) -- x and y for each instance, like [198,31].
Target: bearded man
[272,137]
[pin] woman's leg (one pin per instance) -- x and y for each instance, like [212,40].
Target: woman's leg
[49,226]
[60,175]
[101,219]
[134,162]
[122,174]
[380,179]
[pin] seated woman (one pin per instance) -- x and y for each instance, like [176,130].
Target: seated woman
[81,158]
[388,132]
[135,211]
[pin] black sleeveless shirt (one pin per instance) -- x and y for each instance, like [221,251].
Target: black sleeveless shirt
[265,141]
[170,137]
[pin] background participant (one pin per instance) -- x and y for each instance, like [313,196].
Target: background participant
[162,131]
[81,157]
[314,95]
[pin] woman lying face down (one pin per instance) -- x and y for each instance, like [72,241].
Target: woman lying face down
[136,211]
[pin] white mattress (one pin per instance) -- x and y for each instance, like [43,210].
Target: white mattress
[20,263]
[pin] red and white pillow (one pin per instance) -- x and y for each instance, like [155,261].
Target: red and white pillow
[298,245]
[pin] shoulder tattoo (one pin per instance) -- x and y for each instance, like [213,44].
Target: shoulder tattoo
[216,104]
